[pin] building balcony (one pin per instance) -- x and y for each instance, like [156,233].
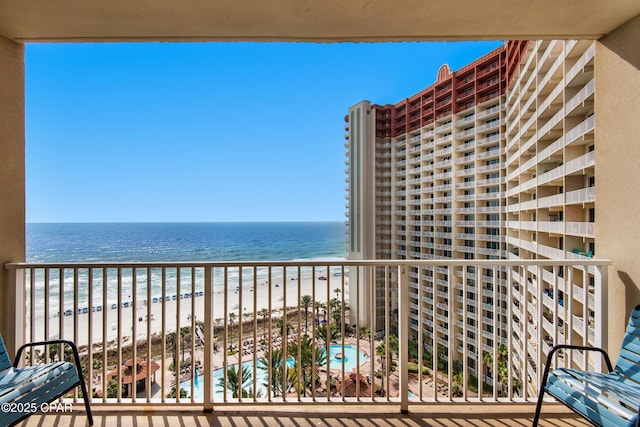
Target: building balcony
[231,314]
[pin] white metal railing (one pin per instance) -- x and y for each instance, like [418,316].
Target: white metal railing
[194,323]
[584,229]
[585,195]
[583,162]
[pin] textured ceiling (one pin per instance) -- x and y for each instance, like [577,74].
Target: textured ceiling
[310,20]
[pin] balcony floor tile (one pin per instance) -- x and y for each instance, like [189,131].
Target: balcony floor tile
[300,415]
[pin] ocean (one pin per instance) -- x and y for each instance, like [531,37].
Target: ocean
[173,242]
[166,242]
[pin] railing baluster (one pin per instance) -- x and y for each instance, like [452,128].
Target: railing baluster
[225,317]
[451,298]
[255,333]
[568,323]
[105,352]
[342,333]
[358,333]
[32,309]
[403,338]
[240,333]
[465,327]
[194,334]
[301,383]
[134,335]
[207,376]
[270,374]
[178,336]
[370,275]
[90,286]
[313,325]
[47,310]
[119,336]
[163,334]
[509,336]
[495,337]
[420,332]
[149,339]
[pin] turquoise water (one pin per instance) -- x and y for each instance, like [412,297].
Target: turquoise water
[349,355]
[173,242]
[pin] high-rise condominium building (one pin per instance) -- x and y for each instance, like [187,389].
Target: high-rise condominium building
[492,161]
[550,196]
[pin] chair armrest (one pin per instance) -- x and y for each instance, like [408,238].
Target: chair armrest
[582,348]
[71,344]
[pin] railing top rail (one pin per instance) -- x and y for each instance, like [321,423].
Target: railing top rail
[311,263]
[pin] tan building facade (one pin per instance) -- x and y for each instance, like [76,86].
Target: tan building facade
[437,193]
[511,176]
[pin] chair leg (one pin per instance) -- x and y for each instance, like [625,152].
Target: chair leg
[83,387]
[536,418]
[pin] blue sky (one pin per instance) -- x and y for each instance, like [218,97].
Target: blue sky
[206,131]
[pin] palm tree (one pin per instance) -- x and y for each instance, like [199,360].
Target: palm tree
[503,362]
[308,365]
[386,354]
[232,321]
[323,306]
[458,383]
[365,333]
[306,301]
[171,343]
[264,313]
[442,357]
[337,291]
[321,333]
[112,389]
[171,395]
[238,381]
[285,329]
[185,338]
[281,375]
[381,351]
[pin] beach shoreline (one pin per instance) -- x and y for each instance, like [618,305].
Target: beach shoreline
[183,310]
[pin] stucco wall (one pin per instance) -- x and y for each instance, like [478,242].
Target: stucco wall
[617,108]
[12,183]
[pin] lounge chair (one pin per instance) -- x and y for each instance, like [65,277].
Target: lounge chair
[24,391]
[605,399]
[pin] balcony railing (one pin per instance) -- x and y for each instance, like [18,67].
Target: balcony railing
[334,331]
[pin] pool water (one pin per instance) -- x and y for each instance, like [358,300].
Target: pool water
[348,355]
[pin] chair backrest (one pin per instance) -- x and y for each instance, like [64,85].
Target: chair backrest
[5,361]
[628,362]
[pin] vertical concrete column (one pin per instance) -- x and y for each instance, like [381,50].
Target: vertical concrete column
[617,111]
[12,185]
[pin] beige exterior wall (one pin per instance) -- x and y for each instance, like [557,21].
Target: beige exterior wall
[12,179]
[360,204]
[617,69]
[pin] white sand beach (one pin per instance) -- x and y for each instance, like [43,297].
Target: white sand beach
[148,317]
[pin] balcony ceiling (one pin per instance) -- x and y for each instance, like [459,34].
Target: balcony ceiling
[313,20]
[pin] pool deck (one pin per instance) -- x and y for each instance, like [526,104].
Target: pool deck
[335,366]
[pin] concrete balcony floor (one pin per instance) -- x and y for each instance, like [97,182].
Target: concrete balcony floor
[301,415]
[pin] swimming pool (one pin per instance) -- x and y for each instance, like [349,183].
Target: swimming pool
[348,354]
